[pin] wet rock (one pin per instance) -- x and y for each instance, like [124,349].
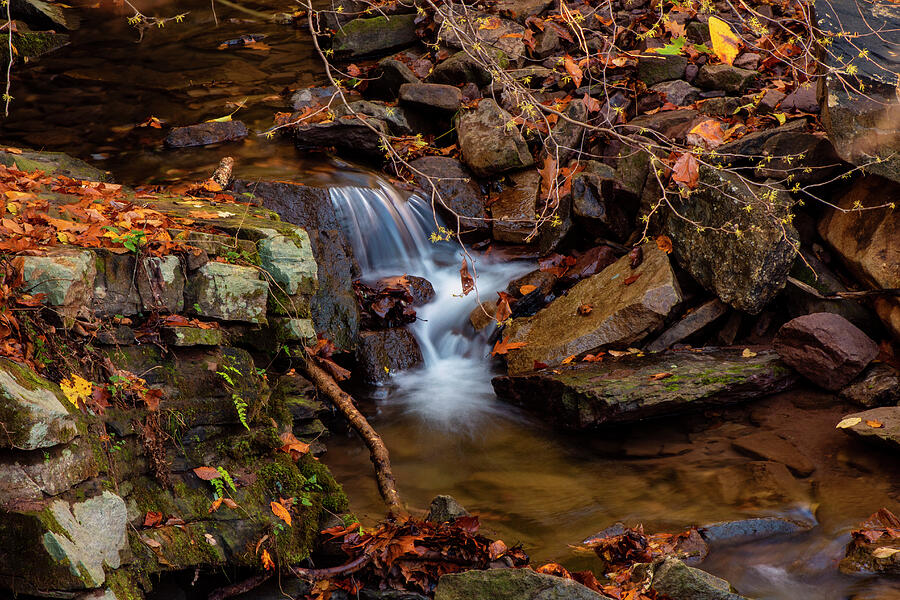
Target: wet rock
[506,36]
[420,289]
[65,277]
[674,579]
[879,425]
[434,96]
[346,133]
[656,68]
[873,546]
[204,134]
[747,271]
[866,241]
[807,158]
[761,484]
[317,96]
[596,207]
[514,212]
[733,80]
[879,385]
[383,353]
[566,141]
[227,292]
[765,445]
[751,530]
[31,44]
[460,194]
[802,99]
[519,10]
[361,37]
[678,92]
[445,508]
[671,123]
[393,116]
[510,584]
[289,261]
[389,76]
[589,263]
[161,284]
[585,395]
[52,163]
[461,68]
[825,348]
[690,324]
[626,304]
[483,315]
[487,145]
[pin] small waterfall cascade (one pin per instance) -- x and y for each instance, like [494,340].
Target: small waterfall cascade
[390,235]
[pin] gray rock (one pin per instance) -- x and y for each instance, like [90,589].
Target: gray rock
[25,479]
[487,145]
[52,163]
[878,425]
[519,10]
[289,261]
[655,68]
[585,395]
[747,271]
[879,385]
[115,285]
[394,116]
[765,445]
[391,74]
[345,133]
[751,530]
[510,584]
[732,80]
[622,313]
[384,353]
[434,96]
[802,99]
[361,37]
[461,68]
[35,413]
[65,277]
[227,292]
[294,330]
[597,208]
[445,508]
[672,124]
[690,324]
[461,196]
[496,37]
[678,92]
[803,157]
[566,141]
[317,96]
[161,284]
[675,579]
[825,348]
[204,134]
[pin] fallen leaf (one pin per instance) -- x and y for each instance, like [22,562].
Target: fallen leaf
[503,346]
[503,309]
[686,170]
[708,133]
[664,243]
[468,283]
[591,104]
[658,376]
[585,309]
[748,353]
[266,560]
[884,552]
[207,473]
[631,279]
[152,519]
[874,424]
[215,505]
[573,70]
[849,422]
[527,289]
[725,42]
[568,359]
[281,512]
[593,357]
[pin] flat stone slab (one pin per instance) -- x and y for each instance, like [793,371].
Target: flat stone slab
[765,445]
[636,387]
[879,425]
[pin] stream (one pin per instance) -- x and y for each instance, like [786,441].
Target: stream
[446,431]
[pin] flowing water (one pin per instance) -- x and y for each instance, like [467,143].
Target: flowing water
[446,431]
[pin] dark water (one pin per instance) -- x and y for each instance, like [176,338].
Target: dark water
[446,431]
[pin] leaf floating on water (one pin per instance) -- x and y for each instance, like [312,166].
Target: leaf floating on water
[874,423]
[850,422]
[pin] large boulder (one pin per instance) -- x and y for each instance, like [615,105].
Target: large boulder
[227,292]
[867,240]
[431,96]
[488,145]
[395,117]
[671,578]
[34,412]
[510,584]
[51,163]
[65,278]
[625,305]
[361,37]
[588,394]
[825,348]
[460,195]
[488,30]
[381,354]
[745,267]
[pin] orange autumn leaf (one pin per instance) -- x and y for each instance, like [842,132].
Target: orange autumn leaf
[874,424]
[726,44]
[686,171]
[215,505]
[585,309]
[293,446]
[527,289]
[503,346]
[573,70]
[631,279]
[664,243]
[281,512]
[267,562]
[567,360]
[658,376]
[207,473]
[548,176]
[590,103]
[709,133]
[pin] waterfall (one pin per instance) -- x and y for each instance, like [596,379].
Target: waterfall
[390,235]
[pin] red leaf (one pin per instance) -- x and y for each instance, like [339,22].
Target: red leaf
[207,473]
[687,170]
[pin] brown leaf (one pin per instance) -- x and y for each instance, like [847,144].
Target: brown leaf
[686,171]
[207,473]
[548,176]
[874,423]
[708,133]
[527,289]
[281,512]
[468,283]
[637,256]
[503,309]
[215,505]
[497,549]
[591,104]
[631,279]
[664,243]
[153,518]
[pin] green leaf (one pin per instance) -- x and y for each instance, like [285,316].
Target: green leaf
[673,49]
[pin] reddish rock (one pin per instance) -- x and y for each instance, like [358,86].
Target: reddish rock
[203,134]
[825,348]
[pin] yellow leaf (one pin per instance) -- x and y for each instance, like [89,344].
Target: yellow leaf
[885,552]
[748,353]
[725,42]
[849,423]
[281,512]
[77,389]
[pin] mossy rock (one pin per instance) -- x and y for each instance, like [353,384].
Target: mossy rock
[31,44]
[52,163]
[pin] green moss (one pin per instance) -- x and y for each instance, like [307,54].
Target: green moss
[124,584]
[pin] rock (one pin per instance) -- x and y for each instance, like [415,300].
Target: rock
[673,579]
[461,68]
[431,96]
[585,395]
[747,271]
[519,10]
[384,353]
[622,313]
[566,141]
[678,92]
[294,330]
[690,324]
[748,148]
[115,289]
[192,336]
[501,34]
[389,76]
[879,385]
[316,97]
[204,134]
[806,158]
[633,164]
[420,289]
[31,44]
[825,348]
[656,68]
[747,60]
[732,80]
[671,123]
[483,315]
[161,284]
[751,530]
[346,133]
[289,261]
[723,106]
[361,37]
[510,584]
[589,263]
[761,484]
[596,207]
[879,425]
[460,194]
[514,213]
[877,554]
[25,479]
[487,145]
[65,277]
[866,241]
[770,101]
[90,536]
[444,509]
[802,99]
[393,116]
[227,292]
[765,445]
[52,163]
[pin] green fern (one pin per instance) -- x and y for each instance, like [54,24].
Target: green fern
[241,407]
[226,477]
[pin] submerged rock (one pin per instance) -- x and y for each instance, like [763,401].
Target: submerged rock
[510,584]
[765,445]
[751,530]
[825,348]
[204,134]
[625,305]
[487,145]
[632,388]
